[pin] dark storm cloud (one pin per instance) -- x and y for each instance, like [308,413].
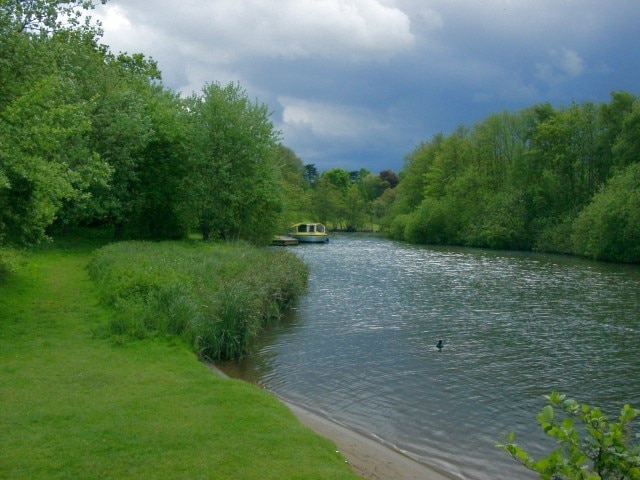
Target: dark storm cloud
[358,83]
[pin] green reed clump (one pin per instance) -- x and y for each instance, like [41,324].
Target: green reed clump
[216,297]
[9,260]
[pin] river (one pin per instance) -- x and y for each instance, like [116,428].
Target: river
[360,346]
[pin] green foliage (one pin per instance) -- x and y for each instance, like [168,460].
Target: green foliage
[92,138]
[44,158]
[338,177]
[609,228]
[500,224]
[591,447]
[234,154]
[626,144]
[411,190]
[296,192]
[352,201]
[45,16]
[521,180]
[9,262]
[216,297]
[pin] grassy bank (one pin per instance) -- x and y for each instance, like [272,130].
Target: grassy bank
[76,405]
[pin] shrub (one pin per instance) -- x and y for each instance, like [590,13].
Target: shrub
[434,222]
[609,227]
[398,226]
[590,446]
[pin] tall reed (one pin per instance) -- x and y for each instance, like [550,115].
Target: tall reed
[9,260]
[215,296]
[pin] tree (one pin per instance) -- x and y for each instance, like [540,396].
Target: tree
[626,149]
[381,206]
[295,187]
[590,446]
[520,180]
[372,186]
[45,119]
[327,201]
[310,174]
[124,116]
[390,177]
[45,17]
[354,208]
[44,158]
[159,211]
[233,186]
[500,143]
[338,177]
[410,190]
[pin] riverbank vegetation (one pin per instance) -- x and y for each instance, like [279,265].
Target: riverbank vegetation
[216,297]
[555,180]
[590,445]
[89,138]
[75,405]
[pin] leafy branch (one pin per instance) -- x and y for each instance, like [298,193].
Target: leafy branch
[590,446]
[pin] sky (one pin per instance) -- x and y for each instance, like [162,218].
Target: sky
[360,83]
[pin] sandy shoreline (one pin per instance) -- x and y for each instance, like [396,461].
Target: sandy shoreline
[367,457]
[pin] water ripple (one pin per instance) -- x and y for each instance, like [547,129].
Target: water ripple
[361,347]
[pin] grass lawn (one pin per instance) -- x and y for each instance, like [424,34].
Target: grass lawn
[76,406]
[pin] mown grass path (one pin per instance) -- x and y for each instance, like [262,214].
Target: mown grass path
[76,406]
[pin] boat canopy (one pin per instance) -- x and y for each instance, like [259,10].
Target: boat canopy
[309,228]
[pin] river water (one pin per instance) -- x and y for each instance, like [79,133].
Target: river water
[360,346]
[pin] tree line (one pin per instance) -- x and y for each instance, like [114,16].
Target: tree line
[549,179]
[343,200]
[89,138]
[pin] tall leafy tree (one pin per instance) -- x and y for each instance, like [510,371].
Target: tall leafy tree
[311,174]
[626,148]
[159,211]
[327,201]
[233,184]
[412,176]
[45,159]
[123,121]
[295,187]
[354,208]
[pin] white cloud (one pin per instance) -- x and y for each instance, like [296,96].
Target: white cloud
[286,28]
[568,61]
[328,120]
[562,65]
[115,20]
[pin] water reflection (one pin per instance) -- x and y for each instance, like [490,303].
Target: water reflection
[361,346]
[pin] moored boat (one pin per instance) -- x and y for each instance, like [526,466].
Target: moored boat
[309,233]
